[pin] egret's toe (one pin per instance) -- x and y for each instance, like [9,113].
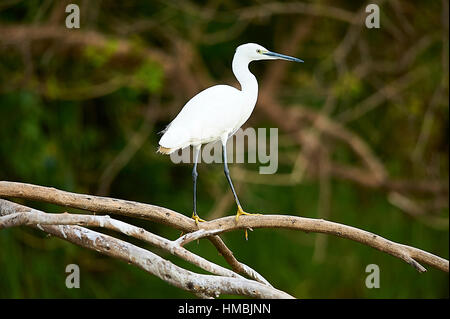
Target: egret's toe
[240,212]
[197,218]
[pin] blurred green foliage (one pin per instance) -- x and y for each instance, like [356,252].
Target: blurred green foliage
[66,112]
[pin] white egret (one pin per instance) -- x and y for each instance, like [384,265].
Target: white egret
[217,113]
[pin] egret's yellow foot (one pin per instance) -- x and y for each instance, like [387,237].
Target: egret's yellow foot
[240,212]
[197,218]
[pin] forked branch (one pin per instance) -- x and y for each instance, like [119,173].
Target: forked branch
[223,281]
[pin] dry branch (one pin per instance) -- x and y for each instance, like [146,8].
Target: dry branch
[409,254]
[165,216]
[107,205]
[33,217]
[276,8]
[199,284]
[14,34]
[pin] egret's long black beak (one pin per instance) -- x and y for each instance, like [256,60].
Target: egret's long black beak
[282,56]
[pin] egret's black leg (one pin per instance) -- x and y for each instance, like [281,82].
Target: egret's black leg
[194,180]
[240,211]
[227,174]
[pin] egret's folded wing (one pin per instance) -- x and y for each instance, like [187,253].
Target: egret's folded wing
[204,118]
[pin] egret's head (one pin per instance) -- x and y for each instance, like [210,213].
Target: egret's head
[253,52]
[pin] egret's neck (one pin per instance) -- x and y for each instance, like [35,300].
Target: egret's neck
[247,80]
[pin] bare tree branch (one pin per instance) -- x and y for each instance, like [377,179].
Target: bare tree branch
[199,284]
[122,207]
[38,218]
[409,254]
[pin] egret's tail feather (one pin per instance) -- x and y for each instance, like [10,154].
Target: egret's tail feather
[164,150]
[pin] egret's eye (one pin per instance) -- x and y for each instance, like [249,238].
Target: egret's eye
[258,51]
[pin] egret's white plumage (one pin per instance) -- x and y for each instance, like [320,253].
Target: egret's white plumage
[219,111]
[205,118]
